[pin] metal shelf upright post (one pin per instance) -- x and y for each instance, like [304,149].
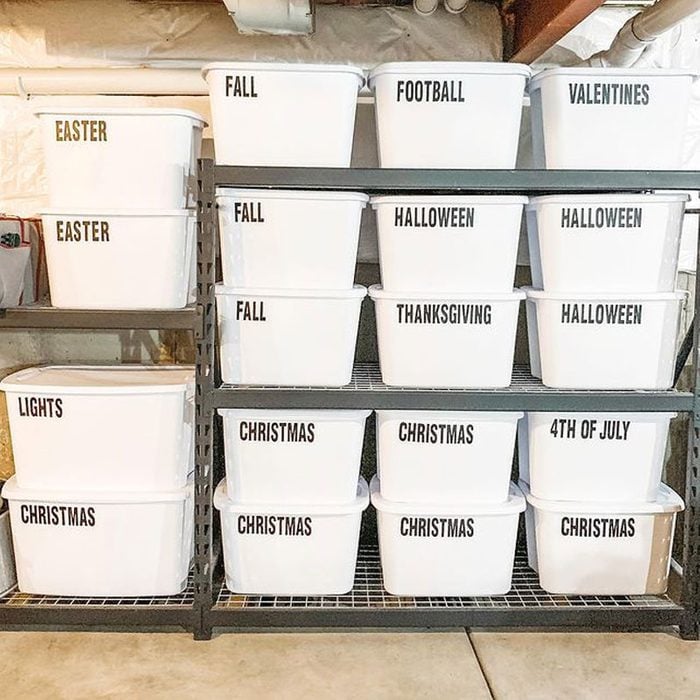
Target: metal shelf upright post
[21,610]
[368,605]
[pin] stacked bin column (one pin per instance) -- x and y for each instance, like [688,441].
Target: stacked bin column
[102,500]
[288,314]
[604,315]
[447,314]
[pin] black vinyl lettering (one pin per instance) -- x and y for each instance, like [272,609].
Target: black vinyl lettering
[276,431]
[434,217]
[601,217]
[563,428]
[436,527]
[436,433]
[444,314]
[248,213]
[58,515]
[40,407]
[250,310]
[609,93]
[601,314]
[430,91]
[597,527]
[240,86]
[275,525]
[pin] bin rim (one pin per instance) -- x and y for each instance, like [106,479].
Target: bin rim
[667,501]
[121,111]
[13,492]
[514,505]
[222,501]
[66,380]
[583,71]
[449,68]
[272,67]
[377,292]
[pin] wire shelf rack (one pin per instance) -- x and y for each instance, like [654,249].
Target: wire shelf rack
[368,592]
[367,390]
[367,376]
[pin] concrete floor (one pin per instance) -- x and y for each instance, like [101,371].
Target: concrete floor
[405,665]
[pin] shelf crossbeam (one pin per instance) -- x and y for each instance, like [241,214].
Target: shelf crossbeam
[369,605]
[366,391]
[392,180]
[49,318]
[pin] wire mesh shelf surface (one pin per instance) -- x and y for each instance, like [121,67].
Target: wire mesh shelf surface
[368,592]
[366,376]
[16,599]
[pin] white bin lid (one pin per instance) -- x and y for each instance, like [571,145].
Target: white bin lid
[357,292]
[308,414]
[603,296]
[12,492]
[223,502]
[644,417]
[450,68]
[255,67]
[619,198]
[455,416]
[230,192]
[667,501]
[120,112]
[413,200]
[514,504]
[606,73]
[124,379]
[376,292]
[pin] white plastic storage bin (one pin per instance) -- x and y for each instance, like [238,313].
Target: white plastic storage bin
[289,239]
[119,259]
[448,244]
[290,550]
[446,340]
[605,341]
[122,428]
[448,115]
[293,456]
[594,456]
[589,548]
[121,158]
[609,118]
[283,337]
[606,243]
[447,550]
[82,543]
[443,457]
[280,114]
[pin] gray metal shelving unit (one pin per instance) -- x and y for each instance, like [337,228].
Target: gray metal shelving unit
[49,318]
[21,610]
[368,604]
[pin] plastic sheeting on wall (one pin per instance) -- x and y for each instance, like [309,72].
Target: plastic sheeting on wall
[72,33]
